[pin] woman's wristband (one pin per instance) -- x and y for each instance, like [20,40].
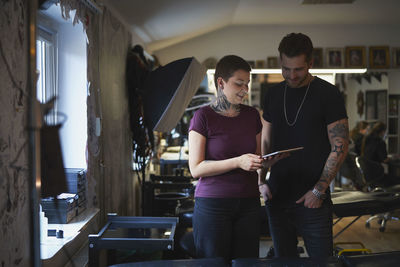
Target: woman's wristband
[260,184]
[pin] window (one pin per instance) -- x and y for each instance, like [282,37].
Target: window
[62,67]
[61,64]
[46,64]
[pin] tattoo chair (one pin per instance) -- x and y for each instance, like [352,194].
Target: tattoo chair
[373,174]
[350,171]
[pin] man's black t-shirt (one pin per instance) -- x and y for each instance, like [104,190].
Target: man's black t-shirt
[293,176]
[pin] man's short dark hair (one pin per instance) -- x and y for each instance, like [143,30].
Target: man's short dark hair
[296,44]
[227,65]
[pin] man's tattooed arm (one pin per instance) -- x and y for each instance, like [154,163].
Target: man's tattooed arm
[338,133]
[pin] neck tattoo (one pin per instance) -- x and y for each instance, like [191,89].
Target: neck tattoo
[223,106]
[298,111]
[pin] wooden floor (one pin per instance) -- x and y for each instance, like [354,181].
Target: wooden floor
[372,238]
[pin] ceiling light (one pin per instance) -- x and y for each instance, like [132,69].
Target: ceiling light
[315,2]
[279,71]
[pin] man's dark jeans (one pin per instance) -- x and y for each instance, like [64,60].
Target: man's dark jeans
[227,227]
[314,225]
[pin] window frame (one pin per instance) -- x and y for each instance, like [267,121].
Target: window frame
[47,66]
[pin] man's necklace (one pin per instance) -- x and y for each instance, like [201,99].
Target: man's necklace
[298,111]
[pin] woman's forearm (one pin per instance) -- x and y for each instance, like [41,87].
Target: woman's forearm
[214,167]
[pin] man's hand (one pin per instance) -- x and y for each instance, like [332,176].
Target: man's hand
[310,200]
[271,160]
[265,192]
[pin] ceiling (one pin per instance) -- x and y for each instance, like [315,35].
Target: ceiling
[160,23]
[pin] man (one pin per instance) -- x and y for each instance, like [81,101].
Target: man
[302,111]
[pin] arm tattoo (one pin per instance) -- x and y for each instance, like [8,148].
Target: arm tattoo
[338,137]
[340,130]
[338,149]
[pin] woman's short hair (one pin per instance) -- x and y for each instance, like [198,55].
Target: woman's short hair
[227,65]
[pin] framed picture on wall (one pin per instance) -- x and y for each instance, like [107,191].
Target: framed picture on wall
[272,62]
[334,57]
[355,57]
[251,63]
[379,57]
[396,57]
[260,64]
[317,57]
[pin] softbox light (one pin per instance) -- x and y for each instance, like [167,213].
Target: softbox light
[168,90]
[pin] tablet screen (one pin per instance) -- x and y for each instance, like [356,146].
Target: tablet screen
[282,151]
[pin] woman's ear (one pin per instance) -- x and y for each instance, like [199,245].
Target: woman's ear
[220,83]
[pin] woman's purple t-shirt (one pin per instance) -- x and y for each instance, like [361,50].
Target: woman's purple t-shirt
[228,137]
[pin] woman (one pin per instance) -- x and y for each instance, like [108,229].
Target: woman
[375,153]
[224,153]
[373,146]
[357,135]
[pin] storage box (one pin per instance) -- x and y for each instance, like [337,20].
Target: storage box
[60,210]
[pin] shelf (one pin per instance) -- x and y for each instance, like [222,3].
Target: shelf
[56,251]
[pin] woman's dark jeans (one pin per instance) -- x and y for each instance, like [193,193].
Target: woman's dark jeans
[314,225]
[227,227]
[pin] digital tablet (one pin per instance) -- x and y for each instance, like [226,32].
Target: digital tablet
[282,151]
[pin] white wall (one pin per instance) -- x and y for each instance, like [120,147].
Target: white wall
[73,93]
[259,42]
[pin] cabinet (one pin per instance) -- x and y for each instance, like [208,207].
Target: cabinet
[376,106]
[393,124]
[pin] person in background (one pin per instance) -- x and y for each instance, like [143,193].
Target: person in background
[373,145]
[357,135]
[224,153]
[374,151]
[306,111]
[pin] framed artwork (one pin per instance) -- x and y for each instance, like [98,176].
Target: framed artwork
[260,64]
[334,57]
[355,57]
[317,57]
[396,57]
[379,57]
[272,62]
[251,63]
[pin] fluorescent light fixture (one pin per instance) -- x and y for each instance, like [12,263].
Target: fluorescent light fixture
[320,71]
[338,70]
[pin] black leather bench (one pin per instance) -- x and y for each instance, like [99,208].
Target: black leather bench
[297,262]
[217,262]
[357,203]
[386,259]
